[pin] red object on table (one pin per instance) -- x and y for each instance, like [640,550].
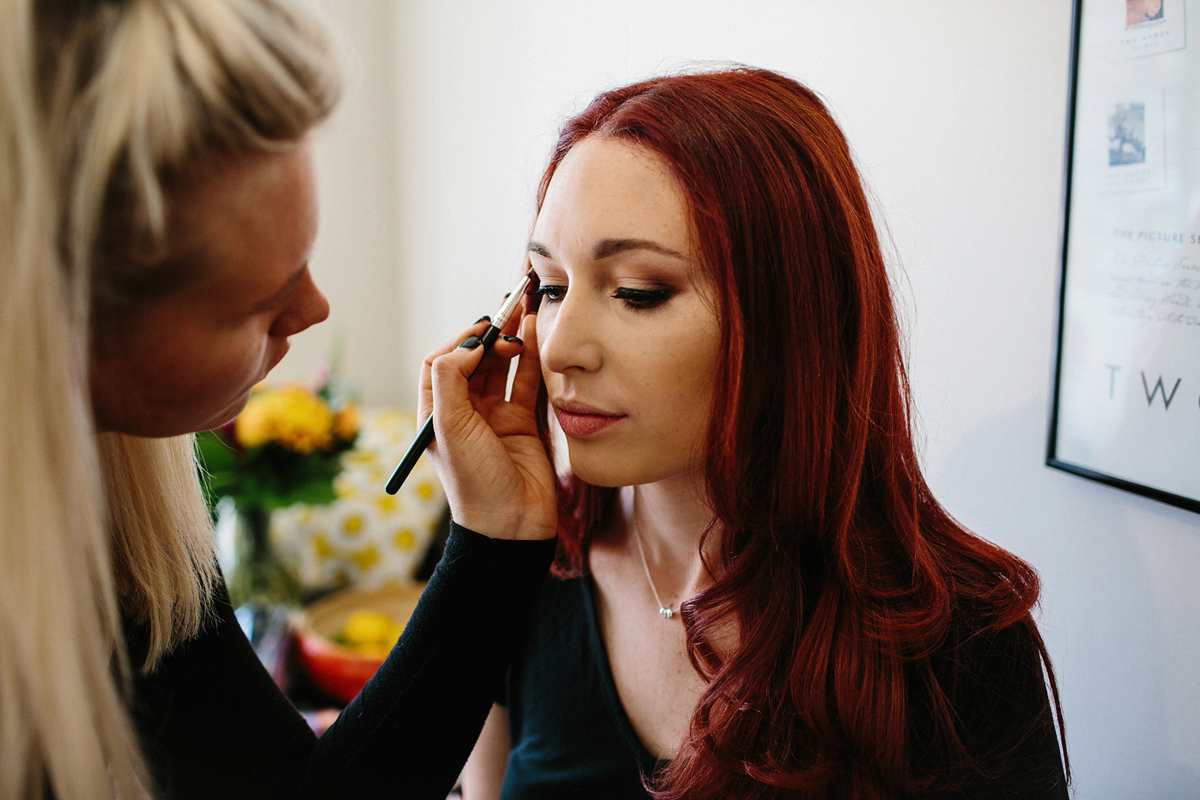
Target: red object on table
[333,668]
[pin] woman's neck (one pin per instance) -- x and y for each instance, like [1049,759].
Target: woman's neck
[670,518]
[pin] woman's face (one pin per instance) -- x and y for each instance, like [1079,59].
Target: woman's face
[186,362]
[627,328]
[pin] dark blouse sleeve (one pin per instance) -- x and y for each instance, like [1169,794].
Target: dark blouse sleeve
[213,723]
[1007,719]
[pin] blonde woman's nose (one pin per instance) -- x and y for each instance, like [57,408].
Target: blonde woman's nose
[308,306]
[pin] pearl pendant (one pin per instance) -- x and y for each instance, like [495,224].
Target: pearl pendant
[666,612]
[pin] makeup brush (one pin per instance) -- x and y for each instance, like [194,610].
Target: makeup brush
[425,435]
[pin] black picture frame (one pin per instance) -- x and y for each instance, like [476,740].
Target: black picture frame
[1156,47]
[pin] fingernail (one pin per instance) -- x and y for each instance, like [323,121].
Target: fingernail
[471,342]
[516,339]
[481,319]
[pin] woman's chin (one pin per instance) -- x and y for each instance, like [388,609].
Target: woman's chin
[597,474]
[607,472]
[636,469]
[228,415]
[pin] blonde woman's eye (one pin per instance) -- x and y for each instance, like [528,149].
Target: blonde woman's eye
[643,298]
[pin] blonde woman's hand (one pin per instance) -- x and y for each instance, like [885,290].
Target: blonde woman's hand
[486,450]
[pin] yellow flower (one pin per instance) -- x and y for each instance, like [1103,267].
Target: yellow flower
[366,559]
[253,426]
[345,423]
[291,416]
[404,539]
[323,548]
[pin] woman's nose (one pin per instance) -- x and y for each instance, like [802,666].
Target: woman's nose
[568,338]
[308,307]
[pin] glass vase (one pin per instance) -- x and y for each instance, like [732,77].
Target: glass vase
[259,578]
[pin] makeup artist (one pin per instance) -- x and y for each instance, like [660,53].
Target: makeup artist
[157,208]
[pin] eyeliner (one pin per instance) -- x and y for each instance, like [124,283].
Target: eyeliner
[425,435]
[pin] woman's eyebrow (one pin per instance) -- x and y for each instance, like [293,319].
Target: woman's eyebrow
[609,247]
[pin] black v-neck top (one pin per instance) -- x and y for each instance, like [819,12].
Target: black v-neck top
[570,734]
[572,738]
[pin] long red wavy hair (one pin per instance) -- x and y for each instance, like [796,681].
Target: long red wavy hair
[839,569]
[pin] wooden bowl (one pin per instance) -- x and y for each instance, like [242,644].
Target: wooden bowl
[338,670]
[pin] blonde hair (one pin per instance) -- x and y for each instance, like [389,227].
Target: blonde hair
[102,106]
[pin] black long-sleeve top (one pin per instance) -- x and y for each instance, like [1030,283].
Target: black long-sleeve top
[214,725]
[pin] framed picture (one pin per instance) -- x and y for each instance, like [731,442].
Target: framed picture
[1126,400]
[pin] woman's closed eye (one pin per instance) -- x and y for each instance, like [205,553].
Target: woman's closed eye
[634,298]
[643,298]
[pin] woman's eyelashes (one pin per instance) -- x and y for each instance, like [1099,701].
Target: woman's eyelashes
[550,293]
[643,298]
[640,299]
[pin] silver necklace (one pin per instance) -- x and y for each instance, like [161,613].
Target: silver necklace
[663,609]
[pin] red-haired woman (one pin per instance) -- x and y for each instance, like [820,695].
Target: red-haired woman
[756,594]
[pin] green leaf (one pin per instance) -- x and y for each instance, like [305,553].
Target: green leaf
[270,476]
[214,452]
[317,491]
[218,468]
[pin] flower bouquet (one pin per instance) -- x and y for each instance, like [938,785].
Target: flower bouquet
[284,448]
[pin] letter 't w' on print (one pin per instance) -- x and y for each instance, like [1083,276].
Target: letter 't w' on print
[1158,387]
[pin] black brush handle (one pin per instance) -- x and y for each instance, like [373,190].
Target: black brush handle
[425,435]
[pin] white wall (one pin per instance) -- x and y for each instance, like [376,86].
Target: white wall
[355,258]
[956,111]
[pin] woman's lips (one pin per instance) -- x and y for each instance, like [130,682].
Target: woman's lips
[581,422]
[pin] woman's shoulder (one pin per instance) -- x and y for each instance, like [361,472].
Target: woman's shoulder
[978,642]
[994,679]
[982,661]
